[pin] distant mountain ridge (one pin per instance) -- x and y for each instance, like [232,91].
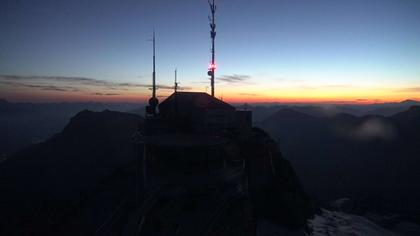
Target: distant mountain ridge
[262,111]
[23,124]
[349,156]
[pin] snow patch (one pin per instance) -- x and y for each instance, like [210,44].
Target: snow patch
[343,224]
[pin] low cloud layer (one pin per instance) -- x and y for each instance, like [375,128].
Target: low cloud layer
[410,90]
[74,84]
[248,94]
[45,87]
[373,128]
[106,94]
[234,78]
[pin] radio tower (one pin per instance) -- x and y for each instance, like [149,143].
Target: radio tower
[212,66]
[153,101]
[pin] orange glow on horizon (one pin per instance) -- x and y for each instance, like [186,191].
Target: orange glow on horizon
[228,94]
[319,94]
[135,98]
[318,99]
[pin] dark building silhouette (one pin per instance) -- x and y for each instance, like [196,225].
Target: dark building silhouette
[196,111]
[185,141]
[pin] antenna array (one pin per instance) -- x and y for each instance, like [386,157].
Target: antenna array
[212,67]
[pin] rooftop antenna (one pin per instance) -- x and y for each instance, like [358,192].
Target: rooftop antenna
[153,101]
[176,90]
[176,82]
[212,66]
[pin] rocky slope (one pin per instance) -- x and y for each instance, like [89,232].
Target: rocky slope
[43,184]
[274,188]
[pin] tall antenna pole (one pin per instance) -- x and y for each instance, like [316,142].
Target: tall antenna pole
[176,82]
[153,101]
[154,64]
[213,36]
[176,89]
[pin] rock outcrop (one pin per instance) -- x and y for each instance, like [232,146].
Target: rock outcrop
[274,188]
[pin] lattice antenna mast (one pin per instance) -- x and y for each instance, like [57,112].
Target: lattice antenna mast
[212,67]
[153,101]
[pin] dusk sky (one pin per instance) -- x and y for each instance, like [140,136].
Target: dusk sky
[266,50]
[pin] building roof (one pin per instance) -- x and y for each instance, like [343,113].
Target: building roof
[197,100]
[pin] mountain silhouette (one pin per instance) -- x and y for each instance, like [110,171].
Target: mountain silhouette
[409,116]
[410,102]
[349,156]
[71,183]
[48,180]
[264,110]
[23,124]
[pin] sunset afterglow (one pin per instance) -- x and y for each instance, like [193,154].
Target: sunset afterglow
[266,51]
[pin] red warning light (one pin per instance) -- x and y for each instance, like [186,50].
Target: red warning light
[212,66]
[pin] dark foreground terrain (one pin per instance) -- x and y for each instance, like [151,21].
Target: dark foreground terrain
[82,181]
[373,159]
